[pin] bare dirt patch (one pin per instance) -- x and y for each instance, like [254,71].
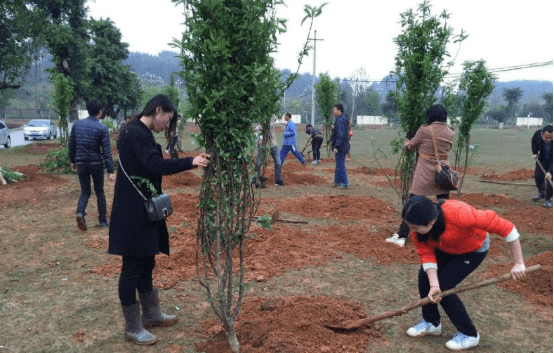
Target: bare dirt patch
[519,174]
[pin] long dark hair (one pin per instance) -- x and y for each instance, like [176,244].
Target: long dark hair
[437,229]
[160,100]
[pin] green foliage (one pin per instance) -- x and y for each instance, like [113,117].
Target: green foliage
[264,221]
[420,68]
[146,182]
[476,84]
[62,97]
[512,96]
[172,92]
[547,106]
[498,112]
[326,95]
[109,123]
[10,176]
[18,45]
[57,161]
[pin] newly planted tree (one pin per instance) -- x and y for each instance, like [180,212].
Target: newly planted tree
[326,93]
[62,98]
[231,84]
[476,85]
[420,67]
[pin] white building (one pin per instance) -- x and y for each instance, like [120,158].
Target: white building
[528,121]
[296,118]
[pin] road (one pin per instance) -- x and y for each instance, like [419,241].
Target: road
[17,138]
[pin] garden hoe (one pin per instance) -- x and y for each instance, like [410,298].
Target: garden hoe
[356,324]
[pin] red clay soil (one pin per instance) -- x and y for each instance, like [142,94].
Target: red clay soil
[363,171]
[36,185]
[519,174]
[292,178]
[181,180]
[292,325]
[537,286]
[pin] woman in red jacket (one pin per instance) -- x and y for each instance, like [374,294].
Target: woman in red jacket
[452,239]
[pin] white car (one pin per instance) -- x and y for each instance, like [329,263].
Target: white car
[38,128]
[5,138]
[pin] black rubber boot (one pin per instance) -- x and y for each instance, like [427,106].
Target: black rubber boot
[134,331]
[152,314]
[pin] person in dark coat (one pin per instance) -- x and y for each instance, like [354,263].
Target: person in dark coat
[90,152]
[340,142]
[541,147]
[316,137]
[131,235]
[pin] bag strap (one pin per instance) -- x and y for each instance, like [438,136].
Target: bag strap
[434,145]
[123,169]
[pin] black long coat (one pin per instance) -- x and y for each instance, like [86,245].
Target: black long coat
[130,232]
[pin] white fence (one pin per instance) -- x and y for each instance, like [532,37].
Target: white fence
[296,118]
[371,120]
[526,121]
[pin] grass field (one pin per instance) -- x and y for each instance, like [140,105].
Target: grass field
[53,299]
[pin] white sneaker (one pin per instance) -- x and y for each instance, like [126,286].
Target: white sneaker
[395,239]
[460,342]
[314,162]
[424,328]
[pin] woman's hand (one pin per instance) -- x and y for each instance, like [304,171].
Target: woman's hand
[406,143]
[518,271]
[201,160]
[432,292]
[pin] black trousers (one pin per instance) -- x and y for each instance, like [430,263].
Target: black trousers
[86,171]
[316,145]
[136,274]
[404,230]
[542,185]
[452,269]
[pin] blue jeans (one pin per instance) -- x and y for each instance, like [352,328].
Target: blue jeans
[452,269]
[276,160]
[291,148]
[341,177]
[86,170]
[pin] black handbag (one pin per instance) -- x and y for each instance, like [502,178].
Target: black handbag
[158,207]
[447,178]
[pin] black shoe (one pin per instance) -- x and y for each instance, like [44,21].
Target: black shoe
[279,183]
[104,223]
[81,223]
[538,197]
[262,185]
[263,179]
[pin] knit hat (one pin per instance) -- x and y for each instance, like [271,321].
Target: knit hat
[419,210]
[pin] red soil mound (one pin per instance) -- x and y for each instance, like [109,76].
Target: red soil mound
[537,286]
[181,180]
[292,325]
[519,174]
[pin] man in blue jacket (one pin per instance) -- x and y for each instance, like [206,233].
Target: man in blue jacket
[289,143]
[89,152]
[340,142]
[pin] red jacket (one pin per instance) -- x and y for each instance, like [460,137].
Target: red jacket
[465,230]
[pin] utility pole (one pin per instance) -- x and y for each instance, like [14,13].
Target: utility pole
[313,80]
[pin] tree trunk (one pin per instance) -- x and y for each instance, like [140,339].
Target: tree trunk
[233,341]
[459,191]
[74,110]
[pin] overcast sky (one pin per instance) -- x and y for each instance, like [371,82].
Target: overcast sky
[359,33]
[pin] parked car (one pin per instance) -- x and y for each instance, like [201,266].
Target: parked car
[5,138]
[38,128]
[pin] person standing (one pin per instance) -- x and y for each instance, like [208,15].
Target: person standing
[260,138]
[131,235]
[89,152]
[452,240]
[340,142]
[289,143]
[424,183]
[317,140]
[541,147]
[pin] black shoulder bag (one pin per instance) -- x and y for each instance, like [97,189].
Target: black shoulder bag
[158,207]
[447,178]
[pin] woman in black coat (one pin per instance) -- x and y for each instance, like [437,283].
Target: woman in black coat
[131,235]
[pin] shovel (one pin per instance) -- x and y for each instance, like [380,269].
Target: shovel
[355,324]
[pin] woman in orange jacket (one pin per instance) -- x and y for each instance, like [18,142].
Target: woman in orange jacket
[452,239]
